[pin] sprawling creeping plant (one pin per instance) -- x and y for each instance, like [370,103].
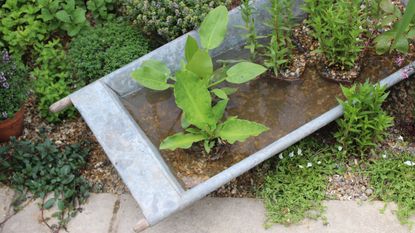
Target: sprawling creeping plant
[196,82]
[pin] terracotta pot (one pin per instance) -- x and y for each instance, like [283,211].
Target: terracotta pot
[12,127]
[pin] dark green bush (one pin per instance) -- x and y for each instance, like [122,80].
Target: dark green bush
[169,18]
[101,50]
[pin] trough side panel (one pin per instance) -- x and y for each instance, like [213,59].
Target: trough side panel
[136,159]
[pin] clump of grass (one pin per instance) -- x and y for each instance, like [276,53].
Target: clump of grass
[393,180]
[296,188]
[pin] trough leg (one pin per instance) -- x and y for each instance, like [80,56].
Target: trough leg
[60,105]
[141,225]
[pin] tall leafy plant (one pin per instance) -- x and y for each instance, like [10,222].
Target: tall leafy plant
[402,30]
[196,83]
[280,47]
[251,36]
[364,122]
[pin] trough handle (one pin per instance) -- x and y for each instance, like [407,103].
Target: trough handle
[141,225]
[60,105]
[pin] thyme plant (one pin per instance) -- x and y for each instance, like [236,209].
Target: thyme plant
[195,83]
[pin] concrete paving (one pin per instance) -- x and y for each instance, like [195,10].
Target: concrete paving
[108,213]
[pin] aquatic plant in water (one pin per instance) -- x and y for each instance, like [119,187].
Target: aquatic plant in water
[195,88]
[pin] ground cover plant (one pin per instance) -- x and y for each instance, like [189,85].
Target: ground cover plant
[365,122]
[14,85]
[297,187]
[169,19]
[194,85]
[42,170]
[392,177]
[103,49]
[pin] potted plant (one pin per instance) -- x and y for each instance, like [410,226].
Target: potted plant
[13,93]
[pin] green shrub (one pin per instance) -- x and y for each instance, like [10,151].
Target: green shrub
[102,50]
[40,168]
[392,179]
[297,187]
[53,80]
[337,28]
[364,122]
[14,86]
[170,18]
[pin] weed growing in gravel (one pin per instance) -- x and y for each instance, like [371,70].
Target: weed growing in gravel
[41,168]
[392,178]
[296,189]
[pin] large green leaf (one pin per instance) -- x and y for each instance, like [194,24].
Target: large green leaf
[190,48]
[180,140]
[383,43]
[234,129]
[244,72]
[152,74]
[193,97]
[213,28]
[79,15]
[201,63]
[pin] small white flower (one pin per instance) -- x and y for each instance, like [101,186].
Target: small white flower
[340,148]
[400,138]
[384,156]
[409,163]
[318,162]
[299,151]
[291,154]
[301,166]
[360,27]
[309,164]
[280,156]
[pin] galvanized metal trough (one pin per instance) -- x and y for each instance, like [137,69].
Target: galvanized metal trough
[138,161]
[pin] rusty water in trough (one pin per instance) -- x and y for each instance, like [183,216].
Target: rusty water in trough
[280,105]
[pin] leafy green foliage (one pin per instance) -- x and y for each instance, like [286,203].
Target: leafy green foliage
[41,168]
[14,85]
[169,19]
[296,189]
[364,122]
[101,9]
[402,30]
[337,27]
[251,36]
[65,15]
[201,117]
[101,50]
[393,181]
[20,27]
[53,79]
[279,50]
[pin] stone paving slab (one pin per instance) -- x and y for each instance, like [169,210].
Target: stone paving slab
[223,215]
[107,213]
